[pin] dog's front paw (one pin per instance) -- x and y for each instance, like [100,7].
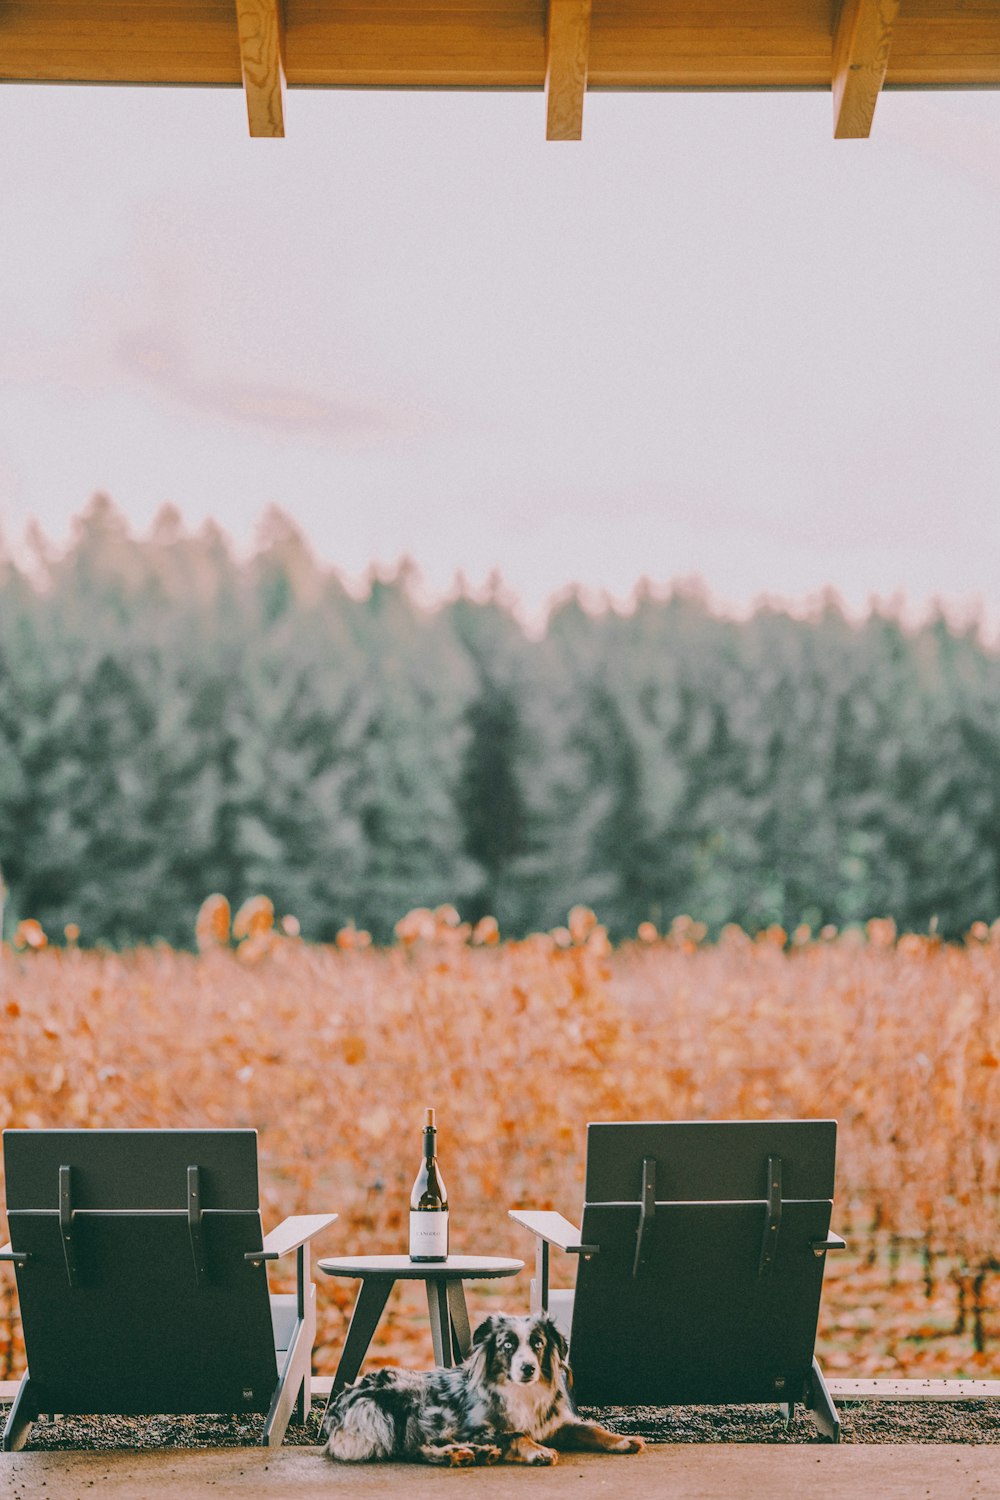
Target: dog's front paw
[488,1453]
[542,1456]
[629,1445]
[461,1455]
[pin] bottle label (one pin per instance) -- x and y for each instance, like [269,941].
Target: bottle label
[428,1234]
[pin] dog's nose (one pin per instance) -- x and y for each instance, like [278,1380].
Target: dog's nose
[527,1373]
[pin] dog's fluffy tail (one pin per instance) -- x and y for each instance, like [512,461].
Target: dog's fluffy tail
[358,1431]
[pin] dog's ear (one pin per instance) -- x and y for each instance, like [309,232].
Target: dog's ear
[486,1327]
[556,1338]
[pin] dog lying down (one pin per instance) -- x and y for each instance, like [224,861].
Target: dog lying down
[508,1403]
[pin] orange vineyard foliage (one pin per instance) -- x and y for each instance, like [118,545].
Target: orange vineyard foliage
[333,1052]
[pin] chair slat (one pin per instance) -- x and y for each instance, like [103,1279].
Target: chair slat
[709,1160]
[131,1169]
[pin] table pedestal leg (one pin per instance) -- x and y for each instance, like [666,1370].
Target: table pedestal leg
[459,1319]
[440,1311]
[364,1320]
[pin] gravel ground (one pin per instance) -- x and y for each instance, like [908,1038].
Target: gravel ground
[863,1422]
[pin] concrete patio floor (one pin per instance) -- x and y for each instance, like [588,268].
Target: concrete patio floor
[666,1472]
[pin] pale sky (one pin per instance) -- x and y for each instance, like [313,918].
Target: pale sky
[708,340]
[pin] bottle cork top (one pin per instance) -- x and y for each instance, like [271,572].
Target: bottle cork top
[429,1120]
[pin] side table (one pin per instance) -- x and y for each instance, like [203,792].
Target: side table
[378,1274]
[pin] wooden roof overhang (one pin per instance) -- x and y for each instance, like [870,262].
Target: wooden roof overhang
[565,47]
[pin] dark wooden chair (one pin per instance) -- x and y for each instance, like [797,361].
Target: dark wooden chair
[700,1264]
[140,1262]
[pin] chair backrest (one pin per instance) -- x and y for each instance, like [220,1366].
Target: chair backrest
[705,1287]
[136,1296]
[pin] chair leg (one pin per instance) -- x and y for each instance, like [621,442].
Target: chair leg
[306,1294]
[19,1418]
[303,1404]
[820,1403]
[292,1390]
[540,1281]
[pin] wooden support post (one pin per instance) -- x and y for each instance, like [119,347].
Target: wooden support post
[566,53]
[860,57]
[262,56]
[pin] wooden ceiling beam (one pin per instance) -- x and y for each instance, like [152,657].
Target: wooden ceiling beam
[567,48]
[262,57]
[860,57]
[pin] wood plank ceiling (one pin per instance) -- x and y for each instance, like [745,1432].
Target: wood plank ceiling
[854,48]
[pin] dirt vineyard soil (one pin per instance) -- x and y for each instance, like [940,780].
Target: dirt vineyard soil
[333,1052]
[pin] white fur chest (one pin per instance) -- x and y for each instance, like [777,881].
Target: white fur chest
[526,1405]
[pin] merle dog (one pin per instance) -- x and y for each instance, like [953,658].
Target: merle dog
[509,1402]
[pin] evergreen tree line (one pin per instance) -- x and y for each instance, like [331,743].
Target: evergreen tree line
[176,721]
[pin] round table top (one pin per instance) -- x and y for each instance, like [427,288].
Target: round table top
[402,1268]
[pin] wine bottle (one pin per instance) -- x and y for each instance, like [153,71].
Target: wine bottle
[429,1203]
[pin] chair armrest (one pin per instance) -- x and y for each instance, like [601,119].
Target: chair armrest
[553,1229]
[290,1234]
[832,1242]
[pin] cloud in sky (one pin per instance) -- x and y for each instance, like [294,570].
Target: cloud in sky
[155,356]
